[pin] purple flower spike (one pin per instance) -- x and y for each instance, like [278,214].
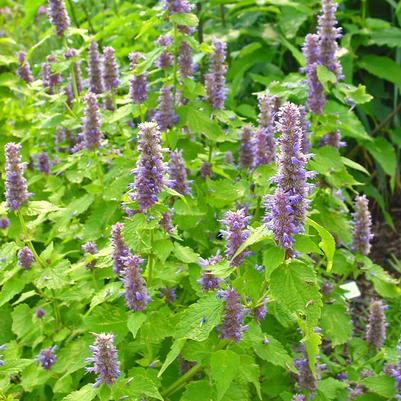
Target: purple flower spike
[92,133]
[299,397]
[24,69]
[25,258]
[4,223]
[376,330]
[235,233]
[90,248]
[259,313]
[332,139]
[305,128]
[316,98]
[138,89]
[232,327]
[95,73]
[120,249]
[44,163]
[165,114]
[208,280]
[150,168]
[166,222]
[178,173]
[71,53]
[177,6]
[168,294]
[110,69]
[185,61]
[136,294]
[362,223]
[215,78]
[16,186]
[50,79]
[105,360]
[47,357]
[206,170]
[328,36]
[58,16]
[40,313]
[306,380]
[246,150]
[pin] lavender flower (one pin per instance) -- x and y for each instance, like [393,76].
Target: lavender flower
[206,170]
[95,74]
[232,327]
[208,280]
[299,397]
[47,357]
[105,360]
[2,348]
[44,163]
[177,6]
[215,78]
[306,380]
[235,233]
[332,139]
[149,180]
[168,294]
[50,79]
[305,129]
[138,84]
[40,313]
[376,330]
[266,115]
[24,69]
[362,223]
[90,248]
[259,313]
[120,249]
[246,150]
[136,294]
[395,372]
[110,69]
[71,53]
[92,133]
[165,114]
[58,16]
[185,61]
[178,173]
[328,35]
[166,222]
[316,98]
[228,157]
[25,258]
[16,187]
[4,223]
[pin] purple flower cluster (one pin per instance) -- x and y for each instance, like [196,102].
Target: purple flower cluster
[105,360]
[306,379]
[110,69]
[2,348]
[246,150]
[376,329]
[178,173]
[16,186]
[149,180]
[69,54]
[362,224]
[24,69]
[136,294]
[395,372]
[166,222]
[232,327]
[311,50]
[58,16]
[47,357]
[177,6]
[332,139]
[168,294]
[40,313]
[120,249]
[138,89]
[259,313]
[305,128]
[206,170]
[166,59]
[95,73]
[235,233]
[185,62]
[4,223]
[92,133]
[44,163]
[215,78]
[165,114]
[208,280]
[25,258]
[50,79]
[90,248]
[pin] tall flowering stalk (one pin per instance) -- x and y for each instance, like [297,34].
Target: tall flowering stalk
[306,380]
[136,294]
[25,258]
[332,139]
[58,16]
[91,120]
[90,248]
[110,75]
[177,6]
[311,50]
[185,62]
[235,233]
[75,83]
[329,33]
[44,163]
[50,79]
[95,72]
[376,330]
[246,150]
[178,173]
[165,114]
[15,184]
[215,78]
[305,129]
[166,59]
[149,180]
[362,232]
[24,69]
[208,280]
[120,249]
[232,327]
[105,360]
[138,88]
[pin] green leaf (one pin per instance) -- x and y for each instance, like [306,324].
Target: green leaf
[200,319]
[381,384]
[256,235]
[390,37]
[336,323]
[272,258]
[250,371]
[383,151]
[224,365]
[382,67]
[22,320]
[12,287]
[327,244]
[14,366]
[354,165]
[172,355]
[185,19]
[30,8]
[357,94]
[330,387]
[135,321]
[325,76]
[86,393]
[185,253]
[199,390]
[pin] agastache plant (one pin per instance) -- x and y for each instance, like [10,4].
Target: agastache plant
[43,163]
[150,168]
[235,233]
[105,360]
[306,379]
[332,139]
[178,173]
[75,65]
[166,58]
[15,184]
[376,329]
[208,280]
[138,89]
[362,233]
[24,69]
[95,70]
[136,294]
[47,357]
[90,248]
[25,258]
[232,326]
[305,129]
[58,16]
[185,62]
[246,150]
[110,75]
[92,134]
[165,114]
[120,250]
[50,79]
[177,6]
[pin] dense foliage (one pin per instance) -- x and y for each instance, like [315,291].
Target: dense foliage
[186,211]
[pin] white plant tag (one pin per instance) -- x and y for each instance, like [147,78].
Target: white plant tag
[351,290]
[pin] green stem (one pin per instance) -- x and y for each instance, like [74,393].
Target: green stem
[151,260]
[99,169]
[175,61]
[74,16]
[210,153]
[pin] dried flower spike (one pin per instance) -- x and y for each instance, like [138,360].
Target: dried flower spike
[24,69]
[91,120]
[58,16]
[376,330]
[362,232]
